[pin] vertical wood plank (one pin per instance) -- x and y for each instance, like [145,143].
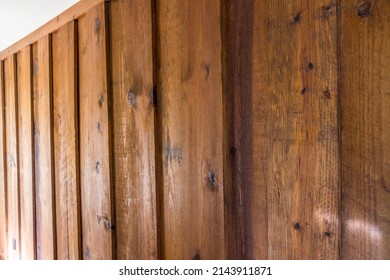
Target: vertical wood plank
[27,191]
[3,172]
[246,130]
[97,220]
[282,81]
[190,91]
[133,125]
[364,33]
[45,208]
[304,164]
[66,142]
[12,157]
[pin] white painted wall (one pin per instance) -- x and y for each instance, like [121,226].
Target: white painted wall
[19,18]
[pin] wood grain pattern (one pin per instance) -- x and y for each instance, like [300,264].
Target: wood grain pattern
[133,125]
[12,157]
[365,102]
[26,168]
[3,172]
[190,91]
[65,99]
[44,172]
[97,218]
[283,130]
[303,195]
[246,127]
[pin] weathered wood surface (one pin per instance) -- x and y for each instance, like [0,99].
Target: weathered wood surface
[65,104]
[43,148]
[365,123]
[191,117]
[283,139]
[95,173]
[133,129]
[26,163]
[198,130]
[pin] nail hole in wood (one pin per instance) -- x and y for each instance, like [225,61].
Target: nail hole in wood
[297,226]
[327,94]
[297,17]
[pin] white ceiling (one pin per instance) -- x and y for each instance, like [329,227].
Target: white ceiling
[19,18]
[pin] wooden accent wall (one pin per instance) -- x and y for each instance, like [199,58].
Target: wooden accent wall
[215,129]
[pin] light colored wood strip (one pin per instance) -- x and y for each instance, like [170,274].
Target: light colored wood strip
[27,217]
[190,89]
[364,33]
[133,124]
[70,14]
[12,157]
[66,142]
[42,148]
[97,221]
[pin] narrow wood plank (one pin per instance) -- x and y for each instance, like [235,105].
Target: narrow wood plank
[190,89]
[13,217]
[66,142]
[97,220]
[281,77]
[26,181]
[245,156]
[365,98]
[3,172]
[45,212]
[133,125]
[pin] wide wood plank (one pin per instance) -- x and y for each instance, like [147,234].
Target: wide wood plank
[13,216]
[365,102]
[303,180]
[26,180]
[65,122]
[3,185]
[282,130]
[190,98]
[45,204]
[95,174]
[133,125]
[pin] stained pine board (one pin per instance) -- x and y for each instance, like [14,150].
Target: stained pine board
[364,34]
[282,85]
[3,157]
[45,203]
[67,182]
[26,167]
[191,121]
[245,172]
[12,157]
[303,194]
[133,128]
[95,174]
